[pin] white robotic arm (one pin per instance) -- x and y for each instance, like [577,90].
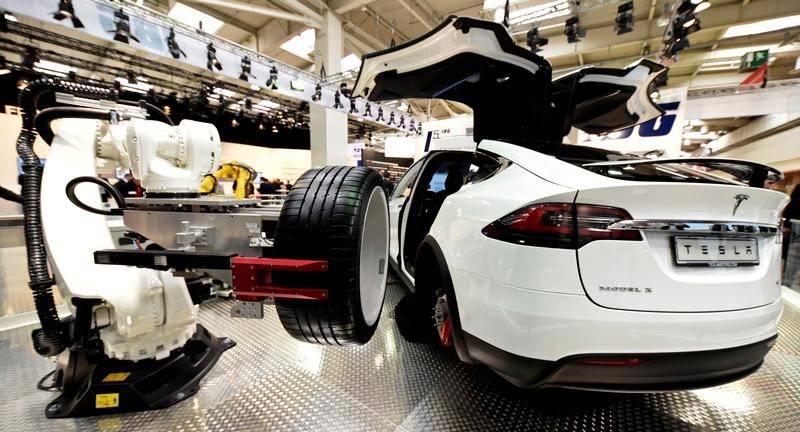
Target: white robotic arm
[145,313]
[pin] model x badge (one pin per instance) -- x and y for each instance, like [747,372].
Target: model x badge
[739,199]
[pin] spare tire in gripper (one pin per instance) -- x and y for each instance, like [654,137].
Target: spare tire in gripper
[339,214]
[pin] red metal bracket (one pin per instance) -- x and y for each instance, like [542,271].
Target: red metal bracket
[252,278]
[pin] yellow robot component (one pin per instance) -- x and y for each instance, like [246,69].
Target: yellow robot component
[241,174]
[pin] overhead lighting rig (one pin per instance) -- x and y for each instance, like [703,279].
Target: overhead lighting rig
[122,27]
[67,10]
[623,22]
[534,41]
[573,30]
[174,49]
[211,56]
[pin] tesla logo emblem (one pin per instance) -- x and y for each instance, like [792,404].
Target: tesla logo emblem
[739,199]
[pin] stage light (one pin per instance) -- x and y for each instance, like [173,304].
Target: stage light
[337,103]
[345,91]
[623,23]
[573,30]
[122,27]
[535,42]
[272,81]
[211,57]
[30,57]
[66,10]
[246,68]
[174,49]
[317,93]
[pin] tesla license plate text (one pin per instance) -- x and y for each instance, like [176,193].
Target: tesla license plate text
[716,251]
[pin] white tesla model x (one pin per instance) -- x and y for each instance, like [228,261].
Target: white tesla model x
[568,266]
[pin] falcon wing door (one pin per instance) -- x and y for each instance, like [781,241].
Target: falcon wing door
[509,88]
[470,61]
[602,100]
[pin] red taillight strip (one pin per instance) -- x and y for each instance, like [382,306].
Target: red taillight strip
[560,225]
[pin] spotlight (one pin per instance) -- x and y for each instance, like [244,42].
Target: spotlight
[272,81]
[246,68]
[535,42]
[211,56]
[317,93]
[345,91]
[30,58]
[173,46]
[66,10]
[122,27]
[573,30]
[623,23]
[337,103]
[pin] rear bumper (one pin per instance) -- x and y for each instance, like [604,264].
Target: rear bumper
[651,371]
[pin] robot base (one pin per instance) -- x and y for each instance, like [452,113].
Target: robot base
[109,386]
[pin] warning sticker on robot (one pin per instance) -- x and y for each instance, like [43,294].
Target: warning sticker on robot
[116,377]
[106,400]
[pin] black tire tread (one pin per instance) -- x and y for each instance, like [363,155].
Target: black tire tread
[321,219]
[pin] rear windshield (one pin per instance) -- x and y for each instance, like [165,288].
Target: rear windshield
[642,169]
[677,172]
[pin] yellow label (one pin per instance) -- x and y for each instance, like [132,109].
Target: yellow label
[106,400]
[116,377]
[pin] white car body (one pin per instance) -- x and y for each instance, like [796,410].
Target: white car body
[611,313]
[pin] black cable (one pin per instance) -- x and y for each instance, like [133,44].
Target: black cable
[48,115]
[152,109]
[53,338]
[52,387]
[9,195]
[103,184]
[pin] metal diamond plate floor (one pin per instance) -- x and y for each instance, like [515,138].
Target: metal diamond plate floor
[271,382]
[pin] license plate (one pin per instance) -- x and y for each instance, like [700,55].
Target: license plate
[716,251]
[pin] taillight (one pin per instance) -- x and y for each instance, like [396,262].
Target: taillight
[560,225]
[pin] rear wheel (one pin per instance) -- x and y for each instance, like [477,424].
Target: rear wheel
[339,214]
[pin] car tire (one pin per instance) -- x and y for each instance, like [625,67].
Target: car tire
[338,214]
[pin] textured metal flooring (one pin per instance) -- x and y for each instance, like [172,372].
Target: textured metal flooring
[271,382]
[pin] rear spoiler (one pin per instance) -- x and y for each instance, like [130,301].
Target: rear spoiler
[755,173]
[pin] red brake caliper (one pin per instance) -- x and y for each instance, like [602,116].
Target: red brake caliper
[444,336]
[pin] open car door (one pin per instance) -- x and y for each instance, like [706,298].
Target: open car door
[509,88]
